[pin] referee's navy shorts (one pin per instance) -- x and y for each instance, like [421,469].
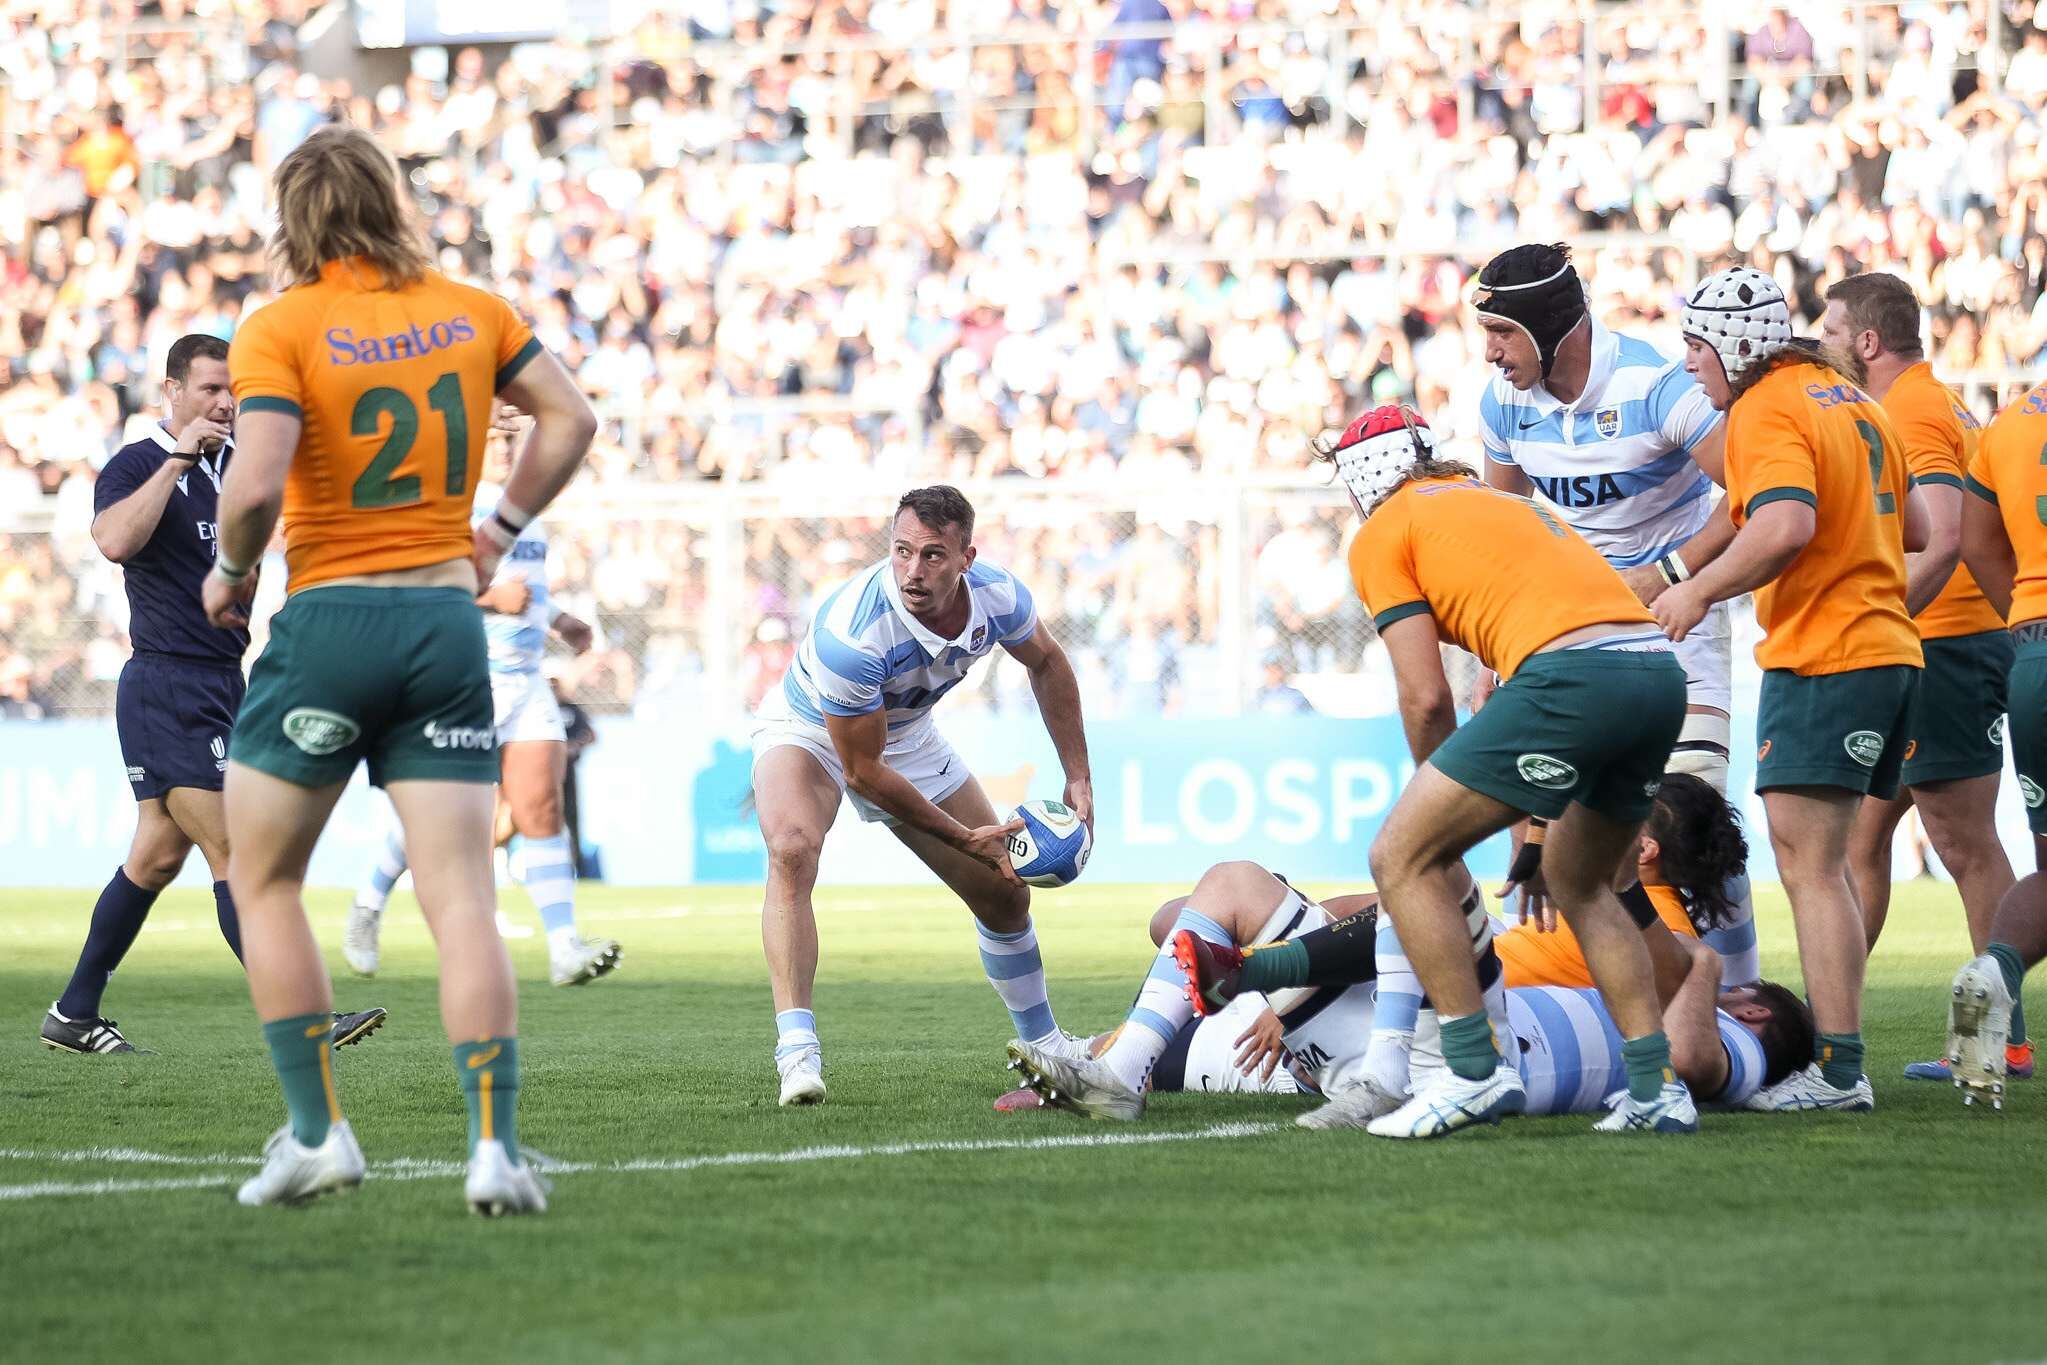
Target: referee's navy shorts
[174,716]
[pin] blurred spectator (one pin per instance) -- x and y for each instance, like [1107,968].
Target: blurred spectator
[1275,695]
[1108,267]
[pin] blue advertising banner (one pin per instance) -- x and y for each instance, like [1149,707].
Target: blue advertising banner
[664,805]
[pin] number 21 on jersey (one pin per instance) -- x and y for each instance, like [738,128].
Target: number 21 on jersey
[375,487]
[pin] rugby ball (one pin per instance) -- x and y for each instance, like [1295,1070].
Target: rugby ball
[1052,847]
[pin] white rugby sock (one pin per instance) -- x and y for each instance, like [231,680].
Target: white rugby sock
[546,870]
[385,871]
[1162,1007]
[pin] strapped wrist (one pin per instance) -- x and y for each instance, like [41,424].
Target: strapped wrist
[231,573]
[1672,567]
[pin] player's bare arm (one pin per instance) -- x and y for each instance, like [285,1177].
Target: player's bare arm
[1508,478]
[1058,692]
[1763,549]
[858,741]
[1986,549]
[1918,524]
[251,498]
[559,436]
[123,529]
[1927,571]
[1691,1019]
[1428,711]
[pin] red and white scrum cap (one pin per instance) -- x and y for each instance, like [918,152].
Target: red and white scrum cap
[1377,450]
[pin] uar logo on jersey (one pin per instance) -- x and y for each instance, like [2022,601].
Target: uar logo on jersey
[1607,422]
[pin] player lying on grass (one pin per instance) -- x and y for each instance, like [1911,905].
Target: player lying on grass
[1726,1045]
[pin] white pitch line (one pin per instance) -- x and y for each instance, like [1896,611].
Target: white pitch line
[115,1156]
[421,1168]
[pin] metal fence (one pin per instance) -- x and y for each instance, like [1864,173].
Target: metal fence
[1208,597]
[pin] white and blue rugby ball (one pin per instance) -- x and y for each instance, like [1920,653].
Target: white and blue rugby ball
[1052,847]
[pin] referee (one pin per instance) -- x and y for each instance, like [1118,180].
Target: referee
[154,515]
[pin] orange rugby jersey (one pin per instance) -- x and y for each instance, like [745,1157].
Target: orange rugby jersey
[1940,435]
[2010,469]
[1806,434]
[395,389]
[1500,574]
[1533,958]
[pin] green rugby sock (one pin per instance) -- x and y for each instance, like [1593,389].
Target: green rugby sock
[489,1071]
[1274,967]
[1648,1062]
[1468,1047]
[2014,968]
[301,1050]
[1840,1058]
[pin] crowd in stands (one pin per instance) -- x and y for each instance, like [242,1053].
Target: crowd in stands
[795,244]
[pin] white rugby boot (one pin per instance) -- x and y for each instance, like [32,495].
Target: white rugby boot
[293,1173]
[1354,1107]
[1672,1111]
[1978,1028]
[1452,1102]
[359,939]
[1809,1089]
[802,1076]
[496,1187]
[1082,1085]
[582,961]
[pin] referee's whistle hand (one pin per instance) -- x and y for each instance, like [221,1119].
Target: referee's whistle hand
[203,436]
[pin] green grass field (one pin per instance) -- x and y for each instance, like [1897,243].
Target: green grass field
[1907,1235]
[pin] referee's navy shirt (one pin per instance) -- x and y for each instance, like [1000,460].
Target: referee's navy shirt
[163,578]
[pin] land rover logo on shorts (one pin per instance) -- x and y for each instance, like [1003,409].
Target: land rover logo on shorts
[1607,422]
[1997,733]
[1865,747]
[2030,789]
[319,732]
[1544,771]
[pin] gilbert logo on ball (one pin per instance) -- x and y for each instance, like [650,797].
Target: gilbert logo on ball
[1052,847]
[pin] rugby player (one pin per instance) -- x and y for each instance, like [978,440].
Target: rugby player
[1816,481]
[853,714]
[1622,445]
[1954,735]
[2004,544]
[154,514]
[365,390]
[1567,1049]
[1442,556]
[533,751]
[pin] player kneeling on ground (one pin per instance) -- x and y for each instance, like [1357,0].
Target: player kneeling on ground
[1442,556]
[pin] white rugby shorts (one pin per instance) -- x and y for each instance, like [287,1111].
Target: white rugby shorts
[1708,658]
[524,708]
[918,753]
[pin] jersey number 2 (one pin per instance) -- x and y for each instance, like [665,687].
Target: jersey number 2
[1886,503]
[375,487]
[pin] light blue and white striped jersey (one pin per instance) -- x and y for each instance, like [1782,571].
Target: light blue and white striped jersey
[864,652]
[1616,463]
[517,642]
[1569,1051]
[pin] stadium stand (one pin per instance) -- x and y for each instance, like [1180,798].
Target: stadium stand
[800,249]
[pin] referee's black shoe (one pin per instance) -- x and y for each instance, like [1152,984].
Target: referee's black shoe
[348,1028]
[82,1035]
